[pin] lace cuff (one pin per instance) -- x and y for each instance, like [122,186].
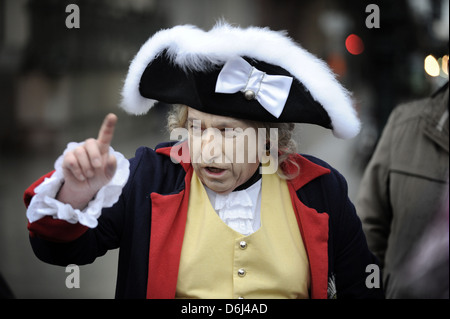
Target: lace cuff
[44,203]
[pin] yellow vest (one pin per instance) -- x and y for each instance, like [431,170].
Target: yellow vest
[218,262]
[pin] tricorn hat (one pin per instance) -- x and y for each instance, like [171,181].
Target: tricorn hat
[253,73]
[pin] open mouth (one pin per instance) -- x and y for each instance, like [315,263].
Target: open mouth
[214,170]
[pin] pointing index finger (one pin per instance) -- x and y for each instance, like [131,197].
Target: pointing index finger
[106,133]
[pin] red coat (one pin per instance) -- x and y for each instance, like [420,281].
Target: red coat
[149,220]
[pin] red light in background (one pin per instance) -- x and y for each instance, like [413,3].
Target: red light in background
[354,44]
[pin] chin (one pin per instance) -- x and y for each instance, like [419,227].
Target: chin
[222,192]
[218,187]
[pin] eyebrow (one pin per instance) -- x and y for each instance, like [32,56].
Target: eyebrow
[233,123]
[190,119]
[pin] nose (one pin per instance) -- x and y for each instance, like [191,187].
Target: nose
[211,145]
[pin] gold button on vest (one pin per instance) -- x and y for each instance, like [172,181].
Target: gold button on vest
[218,262]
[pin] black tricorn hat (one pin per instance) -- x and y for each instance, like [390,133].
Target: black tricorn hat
[254,73]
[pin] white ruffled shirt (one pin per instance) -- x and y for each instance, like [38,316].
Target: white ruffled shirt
[240,210]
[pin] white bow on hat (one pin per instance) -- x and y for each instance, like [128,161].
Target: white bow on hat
[271,91]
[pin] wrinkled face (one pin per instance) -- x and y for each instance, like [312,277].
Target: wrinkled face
[223,150]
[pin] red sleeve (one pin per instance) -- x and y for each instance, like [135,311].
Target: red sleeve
[48,228]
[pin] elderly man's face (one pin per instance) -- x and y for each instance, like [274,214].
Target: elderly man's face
[223,150]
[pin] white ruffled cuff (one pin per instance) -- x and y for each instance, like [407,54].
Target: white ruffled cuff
[44,202]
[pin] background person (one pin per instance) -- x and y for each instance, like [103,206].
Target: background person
[403,199]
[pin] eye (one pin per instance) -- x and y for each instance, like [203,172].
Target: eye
[194,124]
[194,127]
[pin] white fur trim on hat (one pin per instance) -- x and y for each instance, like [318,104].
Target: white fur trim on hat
[195,49]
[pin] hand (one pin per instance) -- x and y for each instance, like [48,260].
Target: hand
[89,167]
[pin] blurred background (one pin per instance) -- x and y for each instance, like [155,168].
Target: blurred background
[57,84]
